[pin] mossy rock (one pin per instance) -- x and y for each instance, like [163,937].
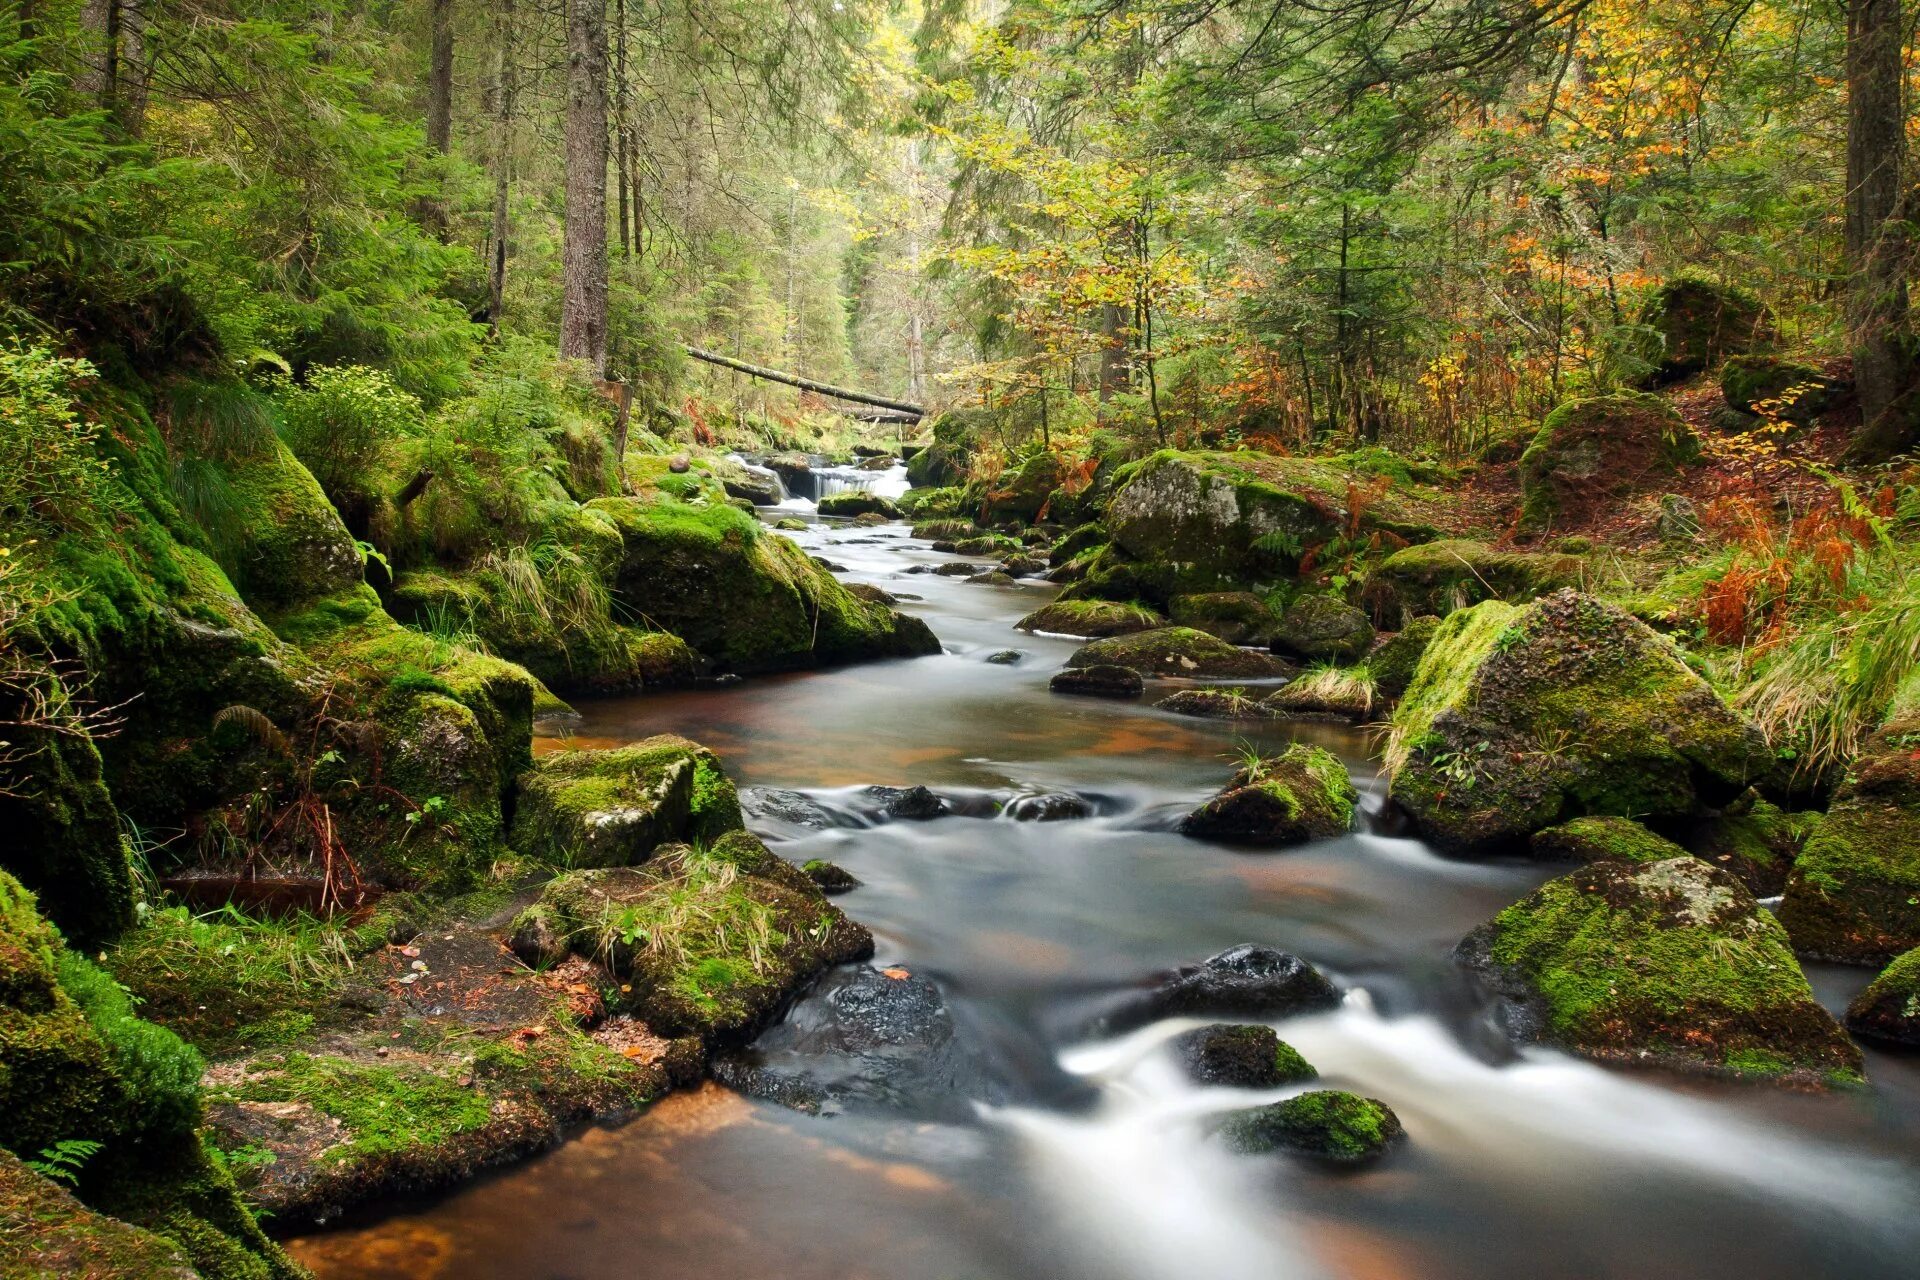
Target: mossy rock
[1319,628]
[1022,494]
[790,524]
[1075,542]
[1889,1008]
[1302,794]
[1240,1056]
[1436,578]
[45,1233]
[748,599]
[1336,694]
[1176,651]
[1091,619]
[1098,682]
[944,461]
[1854,893]
[1238,617]
[1522,717]
[1669,964]
[1755,840]
[1591,455]
[757,487]
[296,547]
[1695,322]
[612,808]
[859,502]
[1216,704]
[1600,839]
[946,530]
[711,942]
[1770,387]
[63,838]
[1199,522]
[1393,661]
[830,877]
[1328,1124]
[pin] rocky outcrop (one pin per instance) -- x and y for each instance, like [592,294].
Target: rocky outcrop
[1523,717]
[1769,387]
[1302,794]
[1666,964]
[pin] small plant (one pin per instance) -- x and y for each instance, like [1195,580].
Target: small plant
[1251,760]
[63,1160]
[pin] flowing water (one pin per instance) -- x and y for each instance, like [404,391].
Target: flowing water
[1518,1165]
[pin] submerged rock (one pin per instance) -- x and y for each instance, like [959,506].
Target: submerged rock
[1302,794]
[1093,619]
[909,804]
[612,808]
[1245,981]
[1099,682]
[1330,1124]
[1889,1008]
[993,578]
[1523,717]
[1177,651]
[1240,1057]
[1323,629]
[1666,964]
[1005,657]
[958,569]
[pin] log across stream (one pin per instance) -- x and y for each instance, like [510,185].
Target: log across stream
[1040,1151]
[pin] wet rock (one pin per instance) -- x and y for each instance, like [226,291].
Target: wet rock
[992,579]
[1599,839]
[1302,794]
[863,1038]
[1245,981]
[1023,566]
[1323,629]
[1216,704]
[1098,682]
[870,520]
[1240,1057]
[1005,657]
[795,471]
[1093,619]
[908,804]
[611,808]
[858,502]
[958,569]
[1328,1124]
[1238,617]
[757,487]
[1592,455]
[1668,964]
[1177,651]
[1520,718]
[794,807]
[1052,806]
[1889,1008]
[946,529]
[790,524]
[879,462]
[832,879]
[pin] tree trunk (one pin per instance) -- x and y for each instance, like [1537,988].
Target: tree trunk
[622,137]
[1113,351]
[130,67]
[583,254]
[505,87]
[440,79]
[1876,232]
[99,23]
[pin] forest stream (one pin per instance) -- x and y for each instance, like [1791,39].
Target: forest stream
[1052,1152]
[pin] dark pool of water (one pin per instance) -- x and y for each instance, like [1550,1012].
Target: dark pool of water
[1530,1165]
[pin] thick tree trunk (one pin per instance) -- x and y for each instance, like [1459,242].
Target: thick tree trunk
[622,149]
[583,255]
[505,87]
[99,40]
[1113,351]
[130,67]
[440,78]
[1877,237]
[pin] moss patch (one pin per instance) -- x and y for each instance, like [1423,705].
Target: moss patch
[1591,454]
[612,808]
[1302,794]
[1093,619]
[1598,839]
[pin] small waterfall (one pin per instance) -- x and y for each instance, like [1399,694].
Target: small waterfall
[779,485]
[890,483]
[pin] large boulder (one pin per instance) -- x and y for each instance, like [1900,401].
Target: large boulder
[1238,617]
[1854,894]
[1091,619]
[1521,717]
[1244,981]
[1889,1008]
[1302,794]
[1185,523]
[1177,651]
[745,597]
[710,942]
[1436,578]
[1783,390]
[63,837]
[1328,1124]
[1320,628]
[1591,455]
[612,808]
[1694,322]
[1668,964]
[1021,493]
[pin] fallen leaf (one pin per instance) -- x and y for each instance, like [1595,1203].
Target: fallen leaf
[896,974]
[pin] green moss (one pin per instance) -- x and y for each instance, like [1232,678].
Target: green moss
[858,502]
[1394,662]
[1289,1067]
[384,1107]
[46,1234]
[612,808]
[1854,894]
[1694,320]
[1594,839]
[1591,454]
[1175,651]
[1301,794]
[1093,619]
[1439,577]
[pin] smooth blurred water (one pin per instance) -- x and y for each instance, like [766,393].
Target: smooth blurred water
[1518,1165]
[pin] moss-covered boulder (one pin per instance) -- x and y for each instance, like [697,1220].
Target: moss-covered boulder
[1600,839]
[1238,617]
[1177,651]
[1338,694]
[711,941]
[1021,493]
[612,808]
[1394,660]
[945,459]
[1091,619]
[1436,578]
[1854,893]
[1783,390]
[1076,542]
[1591,455]
[1216,704]
[1240,1056]
[859,502]
[45,1234]
[1889,1008]
[1667,964]
[76,1065]
[1319,628]
[296,548]
[1185,523]
[63,838]
[1754,839]
[1521,717]
[1327,1124]
[1695,321]
[1301,794]
[1105,681]
[747,598]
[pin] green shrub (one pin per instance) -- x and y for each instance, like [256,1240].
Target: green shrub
[343,422]
[51,476]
